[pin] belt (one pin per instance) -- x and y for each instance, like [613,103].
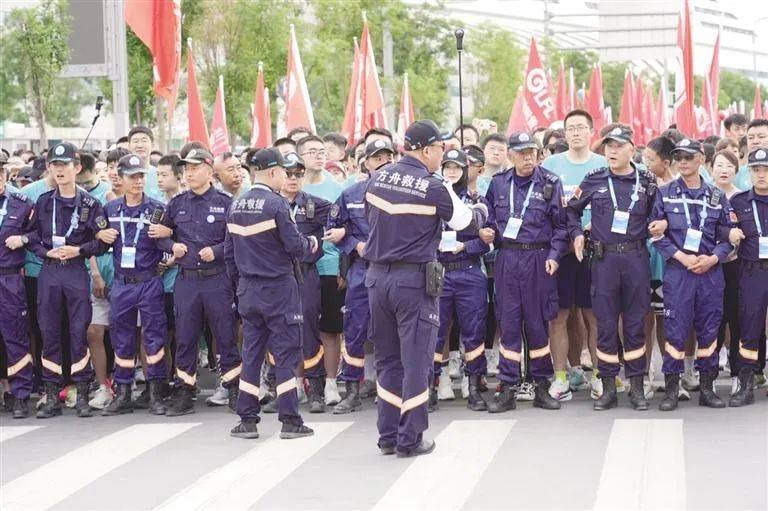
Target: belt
[461,265]
[514,245]
[58,262]
[201,274]
[629,246]
[136,278]
[399,266]
[755,265]
[10,271]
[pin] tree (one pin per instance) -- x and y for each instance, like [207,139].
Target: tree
[736,87]
[38,38]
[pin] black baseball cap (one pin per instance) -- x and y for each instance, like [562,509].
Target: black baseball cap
[32,172]
[421,134]
[264,159]
[456,156]
[474,154]
[620,134]
[63,151]
[758,157]
[689,145]
[378,146]
[293,161]
[197,156]
[3,158]
[521,141]
[129,165]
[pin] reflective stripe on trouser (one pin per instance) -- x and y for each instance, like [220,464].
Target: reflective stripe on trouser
[466,293]
[13,330]
[356,318]
[526,295]
[311,346]
[127,302]
[621,286]
[210,299]
[404,322]
[64,288]
[692,301]
[753,303]
[263,306]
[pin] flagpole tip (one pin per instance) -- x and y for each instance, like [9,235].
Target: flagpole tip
[365,16]
[261,66]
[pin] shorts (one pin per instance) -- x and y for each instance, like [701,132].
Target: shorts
[657,298]
[101,309]
[331,303]
[574,280]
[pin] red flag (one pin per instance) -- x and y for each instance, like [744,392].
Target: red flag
[710,118]
[662,109]
[537,104]
[298,109]
[562,93]
[627,113]
[684,116]
[638,126]
[353,115]
[571,90]
[406,117]
[649,117]
[373,99]
[158,24]
[198,131]
[219,141]
[595,103]
[758,105]
[261,125]
[714,77]
[517,120]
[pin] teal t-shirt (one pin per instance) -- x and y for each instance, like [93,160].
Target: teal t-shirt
[572,174]
[104,262]
[11,188]
[151,188]
[743,181]
[32,263]
[329,190]
[483,183]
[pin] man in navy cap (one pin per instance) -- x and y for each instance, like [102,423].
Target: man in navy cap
[262,245]
[137,287]
[347,219]
[530,230]
[16,221]
[621,196]
[406,206]
[198,219]
[64,236]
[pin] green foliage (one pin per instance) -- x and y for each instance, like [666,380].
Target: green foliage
[736,87]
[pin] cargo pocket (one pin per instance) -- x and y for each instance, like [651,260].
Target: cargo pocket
[429,321]
[293,321]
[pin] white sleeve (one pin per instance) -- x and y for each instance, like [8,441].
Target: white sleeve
[462,214]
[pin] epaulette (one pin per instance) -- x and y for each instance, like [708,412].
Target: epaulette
[738,195]
[647,174]
[599,170]
[224,193]
[549,176]
[20,196]
[88,200]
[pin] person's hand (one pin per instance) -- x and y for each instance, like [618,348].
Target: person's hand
[107,236]
[159,231]
[735,236]
[360,247]
[687,260]
[68,252]
[53,253]
[179,250]
[657,228]
[341,283]
[99,286]
[703,264]
[334,235]
[313,244]
[551,266]
[486,235]
[206,254]
[459,248]
[578,247]
[14,242]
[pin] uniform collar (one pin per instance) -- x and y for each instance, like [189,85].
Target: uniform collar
[78,195]
[631,175]
[751,195]
[261,186]
[207,196]
[694,194]
[410,161]
[536,177]
[124,203]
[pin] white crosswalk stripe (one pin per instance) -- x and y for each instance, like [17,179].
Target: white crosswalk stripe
[8,432]
[75,470]
[242,482]
[466,445]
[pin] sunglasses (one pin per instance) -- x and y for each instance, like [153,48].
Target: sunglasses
[297,175]
[683,157]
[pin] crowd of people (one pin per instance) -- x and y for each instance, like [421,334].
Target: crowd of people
[564,258]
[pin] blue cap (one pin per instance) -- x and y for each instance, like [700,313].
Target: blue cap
[455,156]
[267,158]
[689,145]
[621,134]
[758,157]
[421,134]
[130,164]
[521,142]
[63,151]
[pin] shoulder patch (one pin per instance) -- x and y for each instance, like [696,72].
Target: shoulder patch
[335,211]
[101,222]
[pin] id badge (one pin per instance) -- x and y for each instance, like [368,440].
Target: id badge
[513,228]
[447,241]
[692,240]
[128,258]
[58,241]
[762,244]
[620,222]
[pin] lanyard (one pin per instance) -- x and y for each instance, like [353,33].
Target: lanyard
[688,213]
[294,210]
[72,222]
[3,211]
[139,227]
[512,198]
[634,197]
[754,212]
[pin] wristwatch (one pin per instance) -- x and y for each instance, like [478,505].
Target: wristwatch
[24,239]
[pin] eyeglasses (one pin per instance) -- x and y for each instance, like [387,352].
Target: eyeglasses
[574,129]
[297,175]
[441,145]
[315,153]
[683,156]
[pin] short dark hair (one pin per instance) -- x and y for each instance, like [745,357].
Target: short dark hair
[756,123]
[737,119]
[155,151]
[378,131]
[709,152]
[728,155]
[663,146]
[115,154]
[549,134]
[673,134]
[300,129]
[186,148]
[743,143]
[494,137]
[171,160]
[726,142]
[226,155]
[141,129]
[579,113]
[309,138]
[712,139]
[122,140]
[87,161]
[462,127]
[284,140]
[336,139]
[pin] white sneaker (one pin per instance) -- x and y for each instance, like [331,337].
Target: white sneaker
[492,358]
[301,391]
[101,398]
[683,395]
[454,365]
[577,380]
[690,382]
[735,385]
[525,392]
[220,397]
[596,386]
[445,389]
[139,375]
[464,387]
[332,396]
[586,359]
[560,390]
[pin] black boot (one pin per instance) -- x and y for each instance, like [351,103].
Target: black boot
[476,401]
[504,400]
[707,395]
[246,429]
[142,402]
[234,393]
[52,407]
[542,399]
[746,393]
[315,395]
[182,402]
[81,405]
[121,403]
[671,390]
[290,431]
[20,408]
[432,401]
[156,404]
[608,400]
[351,401]
[637,393]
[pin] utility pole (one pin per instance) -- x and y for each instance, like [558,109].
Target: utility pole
[118,69]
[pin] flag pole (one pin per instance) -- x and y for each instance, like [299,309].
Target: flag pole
[459,48]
